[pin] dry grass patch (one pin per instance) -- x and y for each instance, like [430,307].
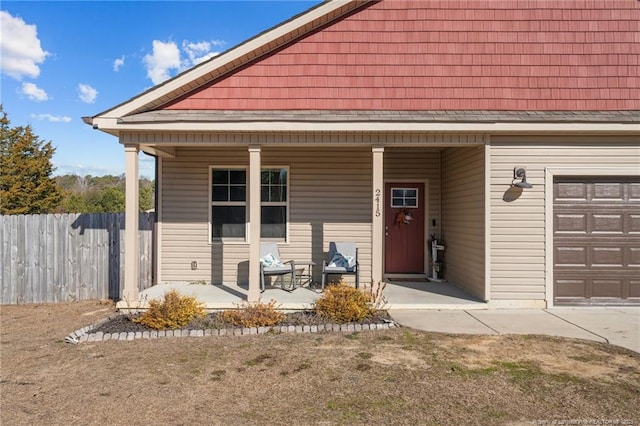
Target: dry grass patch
[579,360]
[385,377]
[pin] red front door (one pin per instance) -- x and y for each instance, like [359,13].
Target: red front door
[404,228]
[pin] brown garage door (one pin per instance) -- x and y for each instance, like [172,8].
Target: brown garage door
[596,240]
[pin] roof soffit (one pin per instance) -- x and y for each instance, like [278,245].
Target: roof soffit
[236,57]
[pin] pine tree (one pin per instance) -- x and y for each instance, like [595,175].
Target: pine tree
[26,184]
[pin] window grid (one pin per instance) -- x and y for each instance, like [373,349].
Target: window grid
[273,203]
[229,191]
[404,198]
[228,201]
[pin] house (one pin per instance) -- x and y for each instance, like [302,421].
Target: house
[508,129]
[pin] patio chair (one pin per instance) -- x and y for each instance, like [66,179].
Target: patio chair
[272,265]
[343,260]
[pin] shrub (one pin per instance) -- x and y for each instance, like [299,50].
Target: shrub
[173,311]
[254,315]
[342,303]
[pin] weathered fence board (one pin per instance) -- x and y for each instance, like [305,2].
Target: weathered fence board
[68,257]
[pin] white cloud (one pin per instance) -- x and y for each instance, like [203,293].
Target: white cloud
[85,169]
[165,57]
[52,118]
[20,49]
[33,92]
[168,57]
[118,63]
[87,93]
[146,168]
[198,52]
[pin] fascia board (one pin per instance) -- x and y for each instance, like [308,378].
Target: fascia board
[294,28]
[284,126]
[164,152]
[104,123]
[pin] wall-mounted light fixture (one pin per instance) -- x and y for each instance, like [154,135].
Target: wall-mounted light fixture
[520,178]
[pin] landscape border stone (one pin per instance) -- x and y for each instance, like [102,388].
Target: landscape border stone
[85,334]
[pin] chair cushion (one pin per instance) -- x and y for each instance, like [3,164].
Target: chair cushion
[341,261]
[270,260]
[339,270]
[282,269]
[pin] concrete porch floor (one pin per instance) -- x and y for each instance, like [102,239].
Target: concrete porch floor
[397,295]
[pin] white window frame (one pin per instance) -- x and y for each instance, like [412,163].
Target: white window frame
[211,203]
[404,188]
[278,203]
[244,203]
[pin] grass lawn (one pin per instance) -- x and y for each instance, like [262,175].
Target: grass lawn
[400,376]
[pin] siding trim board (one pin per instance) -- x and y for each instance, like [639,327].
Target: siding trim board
[550,174]
[159,218]
[382,126]
[487,221]
[329,116]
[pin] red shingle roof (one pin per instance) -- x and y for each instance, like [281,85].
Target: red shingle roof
[449,55]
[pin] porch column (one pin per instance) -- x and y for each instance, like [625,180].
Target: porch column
[131,242]
[254,224]
[377,222]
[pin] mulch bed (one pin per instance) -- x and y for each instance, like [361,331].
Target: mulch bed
[125,323]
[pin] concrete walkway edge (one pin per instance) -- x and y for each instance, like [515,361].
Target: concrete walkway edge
[611,325]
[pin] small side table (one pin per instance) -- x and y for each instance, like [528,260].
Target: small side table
[304,272]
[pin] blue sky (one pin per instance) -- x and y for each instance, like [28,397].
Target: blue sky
[63,60]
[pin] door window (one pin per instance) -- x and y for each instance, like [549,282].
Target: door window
[404,197]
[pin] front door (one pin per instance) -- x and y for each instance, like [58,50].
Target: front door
[404,228]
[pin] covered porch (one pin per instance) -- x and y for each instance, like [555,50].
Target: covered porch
[335,192]
[400,294]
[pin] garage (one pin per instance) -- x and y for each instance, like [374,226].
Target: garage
[596,240]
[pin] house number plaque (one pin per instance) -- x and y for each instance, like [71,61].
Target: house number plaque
[376,197]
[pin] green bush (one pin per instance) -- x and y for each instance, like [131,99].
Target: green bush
[342,303]
[173,311]
[254,315]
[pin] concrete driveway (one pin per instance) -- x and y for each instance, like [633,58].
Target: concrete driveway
[614,325]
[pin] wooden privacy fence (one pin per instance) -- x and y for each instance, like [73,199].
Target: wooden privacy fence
[68,257]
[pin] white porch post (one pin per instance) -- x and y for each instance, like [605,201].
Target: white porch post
[254,224]
[377,222]
[131,243]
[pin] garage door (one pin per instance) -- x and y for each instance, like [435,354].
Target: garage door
[596,240]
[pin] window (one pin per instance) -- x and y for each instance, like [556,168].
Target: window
[404,197]
[273,202]
[229,203]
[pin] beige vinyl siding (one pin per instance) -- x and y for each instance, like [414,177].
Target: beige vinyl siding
[185,217]
[329,200]
[417,165]
[463,221]
[518,217]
